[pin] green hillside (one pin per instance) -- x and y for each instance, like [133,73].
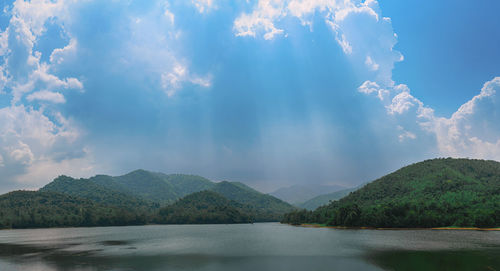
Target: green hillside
[205,207]
[92,190]
[139,186]
[142,190]
[31,209]
[433,193]
[325,199]
[266,207]
[186,184]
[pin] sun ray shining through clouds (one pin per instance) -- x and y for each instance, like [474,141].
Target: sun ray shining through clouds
[269,92]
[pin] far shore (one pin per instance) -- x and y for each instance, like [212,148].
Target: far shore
[374,228]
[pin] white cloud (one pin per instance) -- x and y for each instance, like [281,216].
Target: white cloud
[45,95]
[372,65]
[153,47]
[368,40]
[405,134]
[170,16]
[173,80]
[359,29]
[204,6]
[262,18]
[372,87]
[21,153]
[60,54]
[22,69]
[474,129]
[167,13]
[46,169]
[34,138]
[29,138]
[402,102]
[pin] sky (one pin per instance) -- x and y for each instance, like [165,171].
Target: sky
[272,93]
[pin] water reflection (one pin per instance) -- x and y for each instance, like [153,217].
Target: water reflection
[55,258]
[245,247]
[462,260]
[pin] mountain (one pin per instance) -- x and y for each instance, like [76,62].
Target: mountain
[94,191]
[432,193]
[142,189]
[266,207]
[141,185]
[297,194]
[33,209]
[205,207]
[325,199]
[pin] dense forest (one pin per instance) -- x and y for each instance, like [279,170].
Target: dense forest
[264,207]
[139,197]
[141,184]
[433,193]
[205,207]
[147,191]
[31,209]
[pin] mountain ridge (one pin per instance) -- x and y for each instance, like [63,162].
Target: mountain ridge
[434,193]
[153,190]
[297,194]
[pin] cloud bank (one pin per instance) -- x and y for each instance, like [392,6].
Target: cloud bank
[367,38]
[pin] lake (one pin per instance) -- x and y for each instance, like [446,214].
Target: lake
[261,246]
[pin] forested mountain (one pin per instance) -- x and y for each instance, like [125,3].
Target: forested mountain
[161,187]
[433,193]
[325,199]
[141,184]
[266,207]
[144,189]
[297,194]
[92,190]
[135,198]
[205,207]
[32,209]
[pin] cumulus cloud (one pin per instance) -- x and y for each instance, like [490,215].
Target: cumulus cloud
[60,54]
[474,129]
[45,95]
[367,38]
[360,30]
[29,137]
[36,139]
[261,19]
[32,136]
[372,87]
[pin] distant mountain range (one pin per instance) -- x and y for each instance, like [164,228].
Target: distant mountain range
[298,194]
[138,196]
[432,193]
[325,199]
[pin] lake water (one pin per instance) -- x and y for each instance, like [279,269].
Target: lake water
[266,246]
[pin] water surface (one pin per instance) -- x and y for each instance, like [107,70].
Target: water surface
[266,246]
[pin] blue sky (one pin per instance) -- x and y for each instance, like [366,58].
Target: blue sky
[271,93]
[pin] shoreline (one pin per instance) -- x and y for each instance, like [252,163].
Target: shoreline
[309,225]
